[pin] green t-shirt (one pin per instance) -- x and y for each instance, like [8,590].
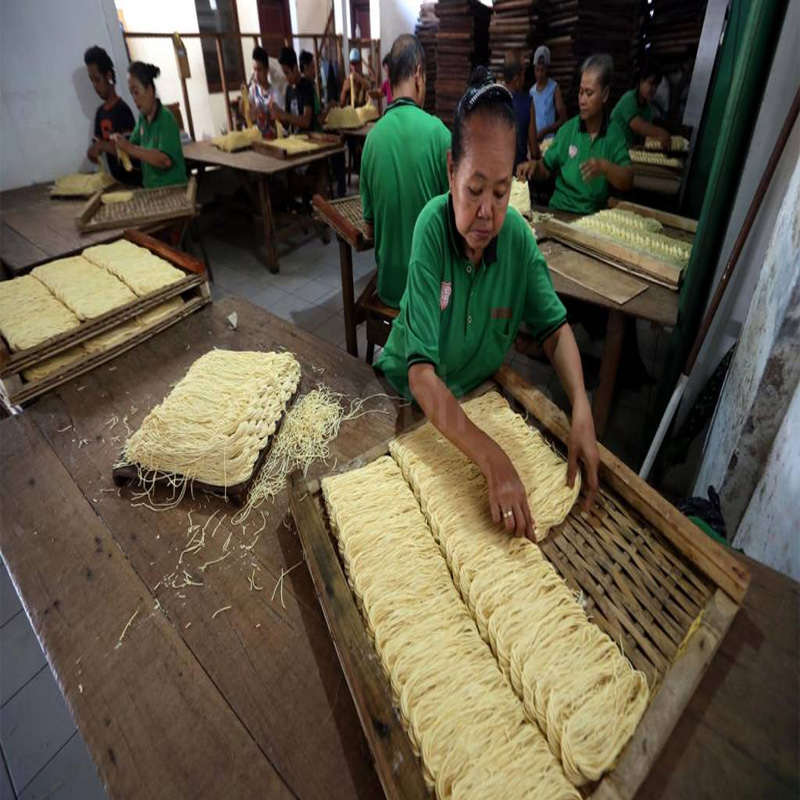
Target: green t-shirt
[403,166]
[161,134]
[461,318]
[626,109]
[572,146]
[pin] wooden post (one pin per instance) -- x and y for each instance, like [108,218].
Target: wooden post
[269,224]
[316,68]
[224,81]
[188,107]
[612,349]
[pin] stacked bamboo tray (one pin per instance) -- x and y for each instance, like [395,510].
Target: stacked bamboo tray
[515,25]
[462,43]
[426,30]
[193,289]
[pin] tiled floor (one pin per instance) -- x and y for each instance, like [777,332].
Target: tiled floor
[43,755]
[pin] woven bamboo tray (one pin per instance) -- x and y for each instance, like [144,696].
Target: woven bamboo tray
[193,288]
[145,207]
[322,143]
[346,219]
[652,581]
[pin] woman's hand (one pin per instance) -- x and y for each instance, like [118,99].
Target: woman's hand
[665,139]
[508,499]
[122,143]
[583,447]
[593,168]
[525,170]
[93,153]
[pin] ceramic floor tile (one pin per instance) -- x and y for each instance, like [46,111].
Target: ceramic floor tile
[310,318]
[70,775]
[20,656]
[10,603]
[34,725]
[6,789]
[312,291]
[269,297]
[289,306]
[332,330]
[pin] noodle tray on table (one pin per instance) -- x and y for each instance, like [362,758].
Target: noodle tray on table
[72,314]
[298,146]
[482,665]
[214,430]
[138,207]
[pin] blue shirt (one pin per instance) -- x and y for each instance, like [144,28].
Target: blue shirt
[545,104]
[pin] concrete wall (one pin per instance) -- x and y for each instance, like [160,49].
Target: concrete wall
[778,94]
[753,452]
[47,103]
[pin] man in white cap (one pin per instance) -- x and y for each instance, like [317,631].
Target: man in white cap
[357,79]
[551,113]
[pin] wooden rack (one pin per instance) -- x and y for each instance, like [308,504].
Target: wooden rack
[193,288]
[652,581]
[323,142]
[147,206]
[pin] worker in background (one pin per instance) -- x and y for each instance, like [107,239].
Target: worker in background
[633,112]
[385,90]
[298,111]
[156,140]
[475,274]
[513,78]
[307,70]
[113,115]
[589,156]
[551,113]
[261,93]
[403,166]
[360,82]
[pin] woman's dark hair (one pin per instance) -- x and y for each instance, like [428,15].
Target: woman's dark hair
[483,96]
[261,55]
[602,65]
[288,58]
[305,59]
[144,73]
[650,69]
[385,61]
[102,60]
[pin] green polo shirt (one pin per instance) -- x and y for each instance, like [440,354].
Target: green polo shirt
[572,146]
[461,318]
[403,166]
[160,134]
[626,109]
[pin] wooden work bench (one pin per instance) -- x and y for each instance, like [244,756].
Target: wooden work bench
[264,167]
[253,703]
[35,228]
[656,304]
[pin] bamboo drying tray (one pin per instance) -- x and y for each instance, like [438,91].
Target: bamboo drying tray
[619,255]
[146,207]
[193,288]
[651,580]
[323,143]
[346,219]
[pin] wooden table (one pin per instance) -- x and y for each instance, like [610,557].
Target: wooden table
[264,167]
[35,228]
[252,703]
[656,304]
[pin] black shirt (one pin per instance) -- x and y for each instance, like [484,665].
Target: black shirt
[117,118]
[298,98]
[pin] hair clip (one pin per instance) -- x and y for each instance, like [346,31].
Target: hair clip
[485,89]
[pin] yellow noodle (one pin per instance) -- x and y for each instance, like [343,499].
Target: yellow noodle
[461,715]
[572,679]
[135,266]
[82,184]
[236,140]
[54,364]
[214,423]
[520,196]
[30,314]
[88,290]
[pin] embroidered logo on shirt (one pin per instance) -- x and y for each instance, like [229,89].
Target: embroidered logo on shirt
[573,151]
[501,313]
[444,294]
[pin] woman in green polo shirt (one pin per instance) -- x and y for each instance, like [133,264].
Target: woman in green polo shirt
[589,156]
[475,273]
[156,140]
[633,113]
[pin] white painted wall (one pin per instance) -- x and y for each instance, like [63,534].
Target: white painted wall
[397,17]
[783,79]
[47,103]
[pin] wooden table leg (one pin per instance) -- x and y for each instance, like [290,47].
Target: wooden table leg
[270,239]
[612,349]
[348,296]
